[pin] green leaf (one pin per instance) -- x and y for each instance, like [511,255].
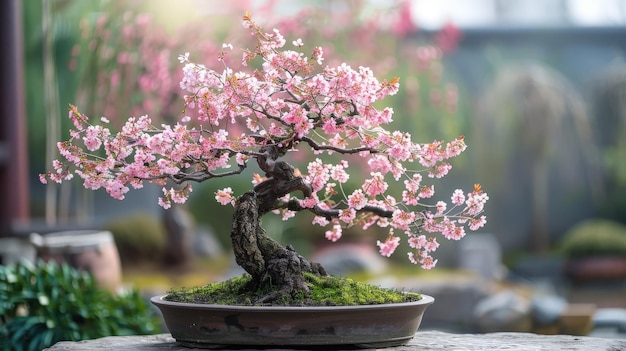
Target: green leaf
[37,338]
[19,326]
[63,303]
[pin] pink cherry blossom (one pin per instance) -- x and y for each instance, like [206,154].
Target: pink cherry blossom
[310,202]
[357,199]
[347,215]
[428,262]
[318,55]
[421,242]
[412,185]
[456,147]
[477,223]
[451,231]
[334,234]
[318,174]
[402,219]
[409,198]
[379,163]
[339,174]
[329,189]
[476,202]
[225,196]
[375,185]
[165,203]
[458,198]
[441,207]
[440,170]
[427,192]
[286,214]
[320,221]
[388,247]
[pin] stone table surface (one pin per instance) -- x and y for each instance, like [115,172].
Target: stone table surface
[424,340]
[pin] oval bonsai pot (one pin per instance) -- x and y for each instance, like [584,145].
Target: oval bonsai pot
[592,269]
[215,326]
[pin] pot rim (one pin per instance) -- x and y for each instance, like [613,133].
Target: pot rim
[158,300]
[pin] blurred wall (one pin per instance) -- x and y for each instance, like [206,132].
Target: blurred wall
[13,156]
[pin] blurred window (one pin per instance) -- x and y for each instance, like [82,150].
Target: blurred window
[432,14]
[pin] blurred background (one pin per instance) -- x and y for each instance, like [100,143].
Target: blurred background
[538,89]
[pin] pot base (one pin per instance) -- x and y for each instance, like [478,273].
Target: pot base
[378,345]
[219,326]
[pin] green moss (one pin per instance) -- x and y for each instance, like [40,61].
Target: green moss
[324,291]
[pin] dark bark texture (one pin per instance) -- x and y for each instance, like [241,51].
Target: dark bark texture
[266,260]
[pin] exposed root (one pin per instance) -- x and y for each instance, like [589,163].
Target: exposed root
[267,262]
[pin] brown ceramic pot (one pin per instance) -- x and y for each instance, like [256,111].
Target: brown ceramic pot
[594,269]
[93,251]
[366,326]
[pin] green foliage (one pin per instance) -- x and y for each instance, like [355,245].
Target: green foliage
[140,237]
[45,303]
[324,291]
[597,237]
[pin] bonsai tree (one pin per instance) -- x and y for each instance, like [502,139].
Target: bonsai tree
[285,104]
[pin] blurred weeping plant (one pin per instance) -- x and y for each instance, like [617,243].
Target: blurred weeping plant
[532,123]
[53,120]
[609,106]
[57,30]
[49,32]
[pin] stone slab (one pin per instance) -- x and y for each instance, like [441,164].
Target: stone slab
[424,340]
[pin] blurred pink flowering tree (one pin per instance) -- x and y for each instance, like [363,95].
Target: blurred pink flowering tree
[390,43]
[126,63]
[283,102]
[126,59]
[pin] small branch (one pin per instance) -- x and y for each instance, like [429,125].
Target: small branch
[264,112]
[200,176]
[319,147]
[294,205]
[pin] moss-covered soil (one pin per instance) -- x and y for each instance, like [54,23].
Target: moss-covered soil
[324,291]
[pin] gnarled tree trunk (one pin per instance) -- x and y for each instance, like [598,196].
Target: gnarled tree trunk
[266,260]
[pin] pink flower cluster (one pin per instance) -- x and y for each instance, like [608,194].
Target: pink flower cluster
[290,101]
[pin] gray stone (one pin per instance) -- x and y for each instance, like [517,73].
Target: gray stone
[16,249]
[454,302]
[206,243]
[481,253]
[179,227]
[424,340]
[434,340]
[348,258]
[547,309]
[505,311]
[610,317]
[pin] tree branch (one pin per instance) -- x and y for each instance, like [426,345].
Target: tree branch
[294,205]
[200,176]
[319,147]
